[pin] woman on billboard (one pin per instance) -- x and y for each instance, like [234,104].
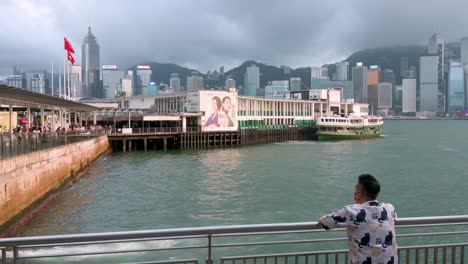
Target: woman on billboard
[213,120]
[226,109]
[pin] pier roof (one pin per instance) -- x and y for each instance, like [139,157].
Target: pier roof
[21,97]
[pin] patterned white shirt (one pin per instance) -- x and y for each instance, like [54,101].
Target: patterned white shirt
[371,231]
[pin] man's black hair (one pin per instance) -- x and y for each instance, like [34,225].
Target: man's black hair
[369,185]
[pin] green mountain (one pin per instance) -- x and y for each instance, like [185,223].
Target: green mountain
[161,72]
[386,58]
[269,73]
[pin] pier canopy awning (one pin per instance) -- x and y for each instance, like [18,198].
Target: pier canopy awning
[161,118]
[21,97]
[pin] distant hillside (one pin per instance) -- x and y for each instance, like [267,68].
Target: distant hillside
[389,57]
[269,73]
[386,58]
[161,72]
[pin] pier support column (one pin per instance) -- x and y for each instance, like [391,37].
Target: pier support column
[94,118]
[165,144]
[145,144]
[184,124]
[29,116]
[130,145]
[124,145]
[42,117]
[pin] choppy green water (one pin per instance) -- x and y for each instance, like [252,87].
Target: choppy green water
[421,166]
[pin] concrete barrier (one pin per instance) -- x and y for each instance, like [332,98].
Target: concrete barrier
[28,180]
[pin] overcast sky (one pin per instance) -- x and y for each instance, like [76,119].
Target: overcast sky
[206,34]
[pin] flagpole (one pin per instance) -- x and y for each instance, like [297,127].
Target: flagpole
[64,77]
[52,79]
[60,81]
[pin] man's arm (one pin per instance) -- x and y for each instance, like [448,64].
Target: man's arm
[335,219]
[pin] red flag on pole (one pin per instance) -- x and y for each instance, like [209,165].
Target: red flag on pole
[70,58]
[67,46]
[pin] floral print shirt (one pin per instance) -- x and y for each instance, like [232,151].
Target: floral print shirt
[371,231]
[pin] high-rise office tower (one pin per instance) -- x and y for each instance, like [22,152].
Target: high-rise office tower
[295,84]
[456,91]
[252,81]
[428,83]
[436,48]
[111,81]
[464,61]
[76,81]
[319,73]
[90,66]
[16,80]
[221,70]
[142,79]
[174,82]
[409,95]
[342,71]
[359,75]
[385,98]
[230,82]
[403,66]
[277,89]
[194,82]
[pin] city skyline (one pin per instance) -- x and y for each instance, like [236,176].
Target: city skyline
[223,35]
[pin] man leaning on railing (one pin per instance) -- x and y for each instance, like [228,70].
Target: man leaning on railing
[370,225]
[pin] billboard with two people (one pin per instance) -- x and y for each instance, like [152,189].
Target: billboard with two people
[220,110]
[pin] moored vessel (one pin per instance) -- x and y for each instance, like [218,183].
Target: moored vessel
[350,127]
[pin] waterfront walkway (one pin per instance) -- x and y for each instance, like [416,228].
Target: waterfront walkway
[439,239]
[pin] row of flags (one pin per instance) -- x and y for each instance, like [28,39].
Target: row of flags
[69,48]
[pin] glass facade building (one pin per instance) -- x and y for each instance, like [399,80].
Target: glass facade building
[252,81]
[456,93]
[111,78]
[277,90]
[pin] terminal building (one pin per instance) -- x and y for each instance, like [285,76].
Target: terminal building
[210,110]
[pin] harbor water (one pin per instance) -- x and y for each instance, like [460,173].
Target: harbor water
[421,166]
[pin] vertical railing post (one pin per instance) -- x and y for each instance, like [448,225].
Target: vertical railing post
[15,255]
[4,261]
[209,259]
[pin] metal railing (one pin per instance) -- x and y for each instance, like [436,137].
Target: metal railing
[22,143]
[421,240]
[153,130]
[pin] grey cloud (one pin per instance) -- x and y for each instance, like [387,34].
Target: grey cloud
[207,34]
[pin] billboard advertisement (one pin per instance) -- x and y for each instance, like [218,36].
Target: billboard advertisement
[109,67]
[5,120]
[220,110]
[143,67]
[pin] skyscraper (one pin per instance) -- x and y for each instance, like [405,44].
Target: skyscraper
[428,83]
[342,71]
[142,79]
[277,89]
[295,84]
[360,83]
[174,82]
[252,81]
[194,82]
[385,96]
[90,70]
[403,66]
[409,95]
[111,79]
[464,61]
[436,48]
[230,82]
[456,91]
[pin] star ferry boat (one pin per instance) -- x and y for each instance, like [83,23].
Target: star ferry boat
[336,128]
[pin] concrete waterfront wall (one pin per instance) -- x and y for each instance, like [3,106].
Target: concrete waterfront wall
[29,179]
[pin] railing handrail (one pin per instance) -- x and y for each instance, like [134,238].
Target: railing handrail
[203,231]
